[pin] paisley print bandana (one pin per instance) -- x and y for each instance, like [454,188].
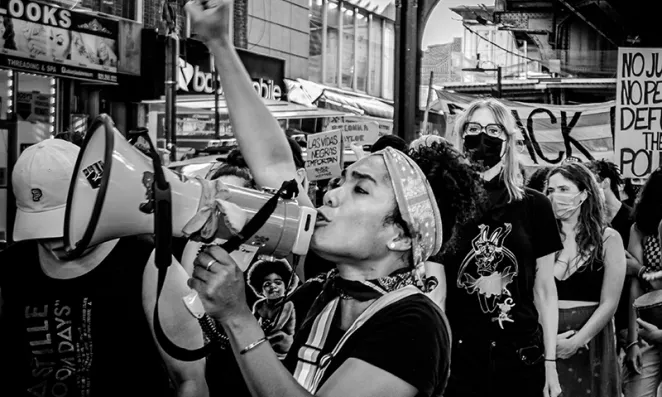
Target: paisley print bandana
[417,206]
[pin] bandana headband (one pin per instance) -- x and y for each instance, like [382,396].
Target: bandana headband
[417,206]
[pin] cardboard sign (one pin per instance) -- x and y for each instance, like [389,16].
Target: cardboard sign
[324,155]
[356,130]
[638,132]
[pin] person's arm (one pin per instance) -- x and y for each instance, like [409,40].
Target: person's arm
[438,295]
[222,290]
[612,285]
[547,303]
[259,136]
[178,324]
[635,252]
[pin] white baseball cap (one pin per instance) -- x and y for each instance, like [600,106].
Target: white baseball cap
[40,181]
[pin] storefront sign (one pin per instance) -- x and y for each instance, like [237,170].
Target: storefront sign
[638,136]
[47,39]
[195,72]
[355,130]
[324,155]
[193,80]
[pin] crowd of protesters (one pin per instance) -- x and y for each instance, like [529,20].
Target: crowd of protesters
[434,270]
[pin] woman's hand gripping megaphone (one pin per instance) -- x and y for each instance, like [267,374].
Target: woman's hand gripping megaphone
[219,284]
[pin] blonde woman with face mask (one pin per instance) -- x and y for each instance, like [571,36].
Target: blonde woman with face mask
[501,298]
[589,274]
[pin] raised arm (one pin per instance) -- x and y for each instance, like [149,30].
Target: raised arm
[260,138]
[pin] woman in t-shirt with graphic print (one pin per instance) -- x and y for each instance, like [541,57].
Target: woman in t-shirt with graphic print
[642,374]
[589,273]
[500,278]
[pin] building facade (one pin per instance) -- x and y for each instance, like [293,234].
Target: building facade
[352,46]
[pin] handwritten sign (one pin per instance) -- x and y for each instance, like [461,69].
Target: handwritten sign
[324,155]
[638,132]
[356,130]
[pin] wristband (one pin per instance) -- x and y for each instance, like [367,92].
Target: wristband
[253,345]
[553,360]
[630,345]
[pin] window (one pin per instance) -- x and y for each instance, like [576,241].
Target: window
[362,34]
[347,67]
[388,59]
[375,76]
[315,51]
[332,43]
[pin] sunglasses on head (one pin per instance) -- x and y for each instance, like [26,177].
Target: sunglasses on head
[493,130]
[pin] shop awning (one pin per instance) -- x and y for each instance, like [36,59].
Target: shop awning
[340,100]
[280,109]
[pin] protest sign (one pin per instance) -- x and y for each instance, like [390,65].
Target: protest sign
[324,155]
[638,111]
[546,134]
[355,130]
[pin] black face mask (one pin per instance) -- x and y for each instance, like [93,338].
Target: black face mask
[483,150]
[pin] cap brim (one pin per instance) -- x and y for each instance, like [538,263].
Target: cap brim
[39,225]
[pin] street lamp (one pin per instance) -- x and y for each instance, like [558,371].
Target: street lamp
[480,69]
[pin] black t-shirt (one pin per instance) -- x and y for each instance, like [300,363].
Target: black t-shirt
[86,336]
[622,223]
[409,339]
[491,275]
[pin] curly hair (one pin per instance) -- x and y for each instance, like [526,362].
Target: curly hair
[234,165]
[606,169]
[648,208]
[592,216]
[262,268]
[457,187]
[538,179]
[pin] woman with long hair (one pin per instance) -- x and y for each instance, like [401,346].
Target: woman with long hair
[589,273]
[642,373]
[500,275]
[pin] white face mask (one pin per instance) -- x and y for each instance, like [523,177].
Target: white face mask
[564,204]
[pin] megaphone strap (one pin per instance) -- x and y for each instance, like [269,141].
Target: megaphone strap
[288,190]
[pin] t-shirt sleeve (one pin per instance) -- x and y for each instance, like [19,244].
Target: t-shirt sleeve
[412,343]
[546,237]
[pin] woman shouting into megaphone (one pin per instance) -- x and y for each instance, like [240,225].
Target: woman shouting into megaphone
[370,331]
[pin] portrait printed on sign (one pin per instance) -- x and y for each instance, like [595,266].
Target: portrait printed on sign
[7,34]
[42,41]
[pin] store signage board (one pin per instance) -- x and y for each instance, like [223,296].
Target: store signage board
[195,72]
[56,41]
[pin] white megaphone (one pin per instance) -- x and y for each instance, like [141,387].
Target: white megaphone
[110,192]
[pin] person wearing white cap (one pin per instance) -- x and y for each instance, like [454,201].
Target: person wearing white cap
[83,327]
